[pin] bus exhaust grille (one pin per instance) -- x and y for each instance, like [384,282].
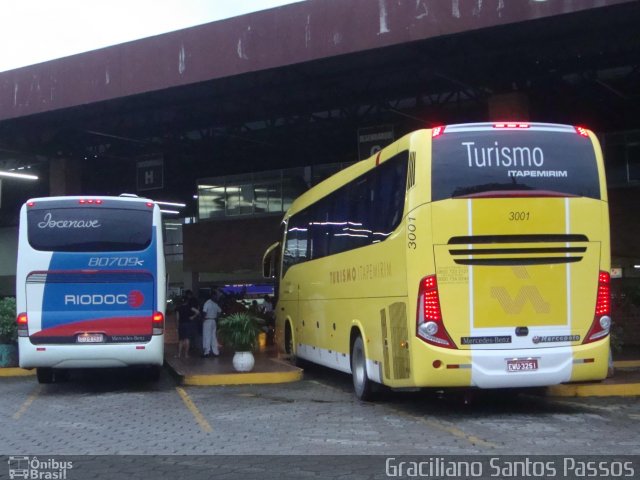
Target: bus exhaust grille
[399,340]
[542,238]
[411,171]
[510,262]
[491,250]
[517,251]
[385,343]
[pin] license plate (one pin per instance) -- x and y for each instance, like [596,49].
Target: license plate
[91,338]
[522,365]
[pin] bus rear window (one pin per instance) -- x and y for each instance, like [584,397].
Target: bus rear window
[482,162]
[89,229]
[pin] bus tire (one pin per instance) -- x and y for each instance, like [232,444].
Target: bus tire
[44,375]
[362,386]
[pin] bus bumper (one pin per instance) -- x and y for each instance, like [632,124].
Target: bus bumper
[91,356]
[488,368]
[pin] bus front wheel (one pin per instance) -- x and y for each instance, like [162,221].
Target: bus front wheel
[44,375]
[361,383]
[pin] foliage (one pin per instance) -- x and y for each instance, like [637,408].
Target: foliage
[625,305]
[239,331]
[8,326]
[617,338]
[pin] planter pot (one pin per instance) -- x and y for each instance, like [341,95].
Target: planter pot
[8,355]
[243,361]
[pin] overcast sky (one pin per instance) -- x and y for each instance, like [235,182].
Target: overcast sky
[34,31]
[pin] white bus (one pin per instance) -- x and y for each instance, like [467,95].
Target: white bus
[90,284]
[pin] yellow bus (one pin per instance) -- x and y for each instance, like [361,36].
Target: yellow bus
[470,255]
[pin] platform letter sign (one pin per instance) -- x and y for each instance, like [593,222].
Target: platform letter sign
[373,139]
[150,174]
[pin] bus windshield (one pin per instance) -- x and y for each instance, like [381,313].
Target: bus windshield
[474,162]
[89,229]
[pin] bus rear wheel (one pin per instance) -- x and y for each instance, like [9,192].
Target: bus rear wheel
[45,375]
[361,384]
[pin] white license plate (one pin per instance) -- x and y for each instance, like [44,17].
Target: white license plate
[522,365]
[91,338]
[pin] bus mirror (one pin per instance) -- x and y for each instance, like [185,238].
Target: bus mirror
[268,261]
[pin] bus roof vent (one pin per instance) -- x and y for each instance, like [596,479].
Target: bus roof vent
[130,195]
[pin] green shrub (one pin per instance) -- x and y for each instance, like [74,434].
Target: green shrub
[239,331]
[8,326]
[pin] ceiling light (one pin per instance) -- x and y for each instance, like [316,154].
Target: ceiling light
[23,176]
[171,204]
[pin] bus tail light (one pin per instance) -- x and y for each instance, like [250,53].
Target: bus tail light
[437,131]
[429,324]
[157,321]
[23,325]
[582,131]
[510,125]
[602,318]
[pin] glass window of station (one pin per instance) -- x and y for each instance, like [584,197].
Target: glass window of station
[258,193]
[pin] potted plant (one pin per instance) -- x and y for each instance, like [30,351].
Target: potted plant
[8,333]
[239,331]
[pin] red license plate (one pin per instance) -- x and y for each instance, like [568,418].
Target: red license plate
[522,365]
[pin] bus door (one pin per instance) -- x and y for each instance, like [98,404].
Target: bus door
[288,309]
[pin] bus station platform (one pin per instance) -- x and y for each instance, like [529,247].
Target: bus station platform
[268,368]
[625,382]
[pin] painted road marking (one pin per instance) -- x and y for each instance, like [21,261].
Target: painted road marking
[437,424]
[23,408]
[446,427]
[609,408]
[204,425]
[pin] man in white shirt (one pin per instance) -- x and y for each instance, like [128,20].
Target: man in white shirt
[211,311]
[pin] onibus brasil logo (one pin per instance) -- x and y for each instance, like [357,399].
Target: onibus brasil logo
[36,469]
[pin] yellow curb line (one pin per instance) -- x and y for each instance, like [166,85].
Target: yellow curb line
[204,425]
[242,378]
[626,364]
[619,390]
[16,372]
[27,402]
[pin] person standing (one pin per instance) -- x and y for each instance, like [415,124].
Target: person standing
[187,314]
[210,311]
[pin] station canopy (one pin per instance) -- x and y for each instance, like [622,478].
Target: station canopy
[292,86]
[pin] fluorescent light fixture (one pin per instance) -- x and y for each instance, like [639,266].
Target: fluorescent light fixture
[171,204]
[173,224]
[636,266]
[175,212]
[195,196]
[23,176]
